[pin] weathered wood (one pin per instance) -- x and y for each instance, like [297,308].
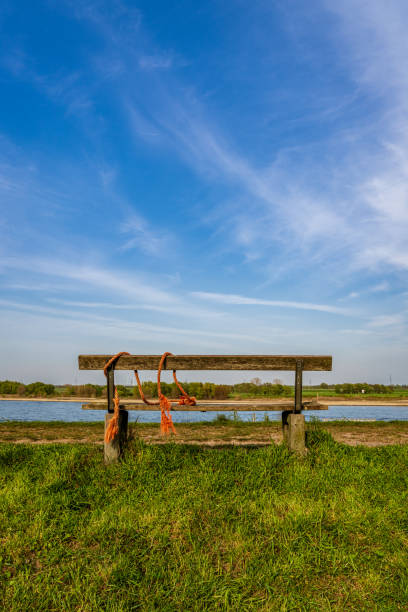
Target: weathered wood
[209,362]
[285,424]
[213,406]
[296,435]
[298,385]
[113,450]
[110,388]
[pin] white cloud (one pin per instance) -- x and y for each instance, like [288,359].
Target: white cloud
[143,237]
[156,62]
[110,324]
[375,35]
[107,176]
[380,287]
[114,283]
[224,298]
[61,87]
[182,308]
[386,320]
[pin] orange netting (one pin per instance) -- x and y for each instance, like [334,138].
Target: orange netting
[166,422]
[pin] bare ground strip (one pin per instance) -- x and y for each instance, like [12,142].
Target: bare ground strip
[353,434]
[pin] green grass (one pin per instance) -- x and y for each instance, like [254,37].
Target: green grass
[386,397]
[176,527]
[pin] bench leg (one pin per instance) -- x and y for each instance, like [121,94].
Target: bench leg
[113,449]
[285,425]
[293,425]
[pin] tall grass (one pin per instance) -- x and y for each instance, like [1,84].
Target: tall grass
[177,527]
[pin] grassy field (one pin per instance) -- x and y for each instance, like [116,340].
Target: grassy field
[330,394]
[181,527]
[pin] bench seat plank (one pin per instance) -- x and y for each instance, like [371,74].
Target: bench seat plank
[214,406]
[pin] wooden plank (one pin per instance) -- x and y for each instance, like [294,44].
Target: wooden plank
[214,406]
[209,362]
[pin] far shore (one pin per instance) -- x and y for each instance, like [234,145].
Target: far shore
[327,401]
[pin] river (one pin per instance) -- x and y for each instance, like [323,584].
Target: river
[72,411]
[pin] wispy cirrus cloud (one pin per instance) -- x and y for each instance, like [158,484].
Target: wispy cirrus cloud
[116,284]
[140,235]
[155,62]
[364,225]
[114,281]
[65,88]
[224,298]
[59,191]
[387,320]
[381,287]
[278,205]
[124,323]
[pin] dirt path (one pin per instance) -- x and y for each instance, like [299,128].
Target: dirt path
[242,434]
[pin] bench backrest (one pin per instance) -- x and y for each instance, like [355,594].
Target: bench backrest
[210,362]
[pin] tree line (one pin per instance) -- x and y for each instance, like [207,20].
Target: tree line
[200,390]
[349,388]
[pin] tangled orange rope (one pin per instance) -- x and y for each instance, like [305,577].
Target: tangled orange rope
[112,429]
[166,422]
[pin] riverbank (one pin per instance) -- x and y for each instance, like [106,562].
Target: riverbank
[204,434]
[327,401]
[18,398]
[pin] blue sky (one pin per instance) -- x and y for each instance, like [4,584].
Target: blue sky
[214,177]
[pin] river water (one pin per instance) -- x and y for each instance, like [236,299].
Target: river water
[72,411]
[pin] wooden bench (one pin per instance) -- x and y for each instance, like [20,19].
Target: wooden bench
[293,421]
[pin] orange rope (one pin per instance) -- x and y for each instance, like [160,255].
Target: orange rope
[113,425]
[186,399]
[166,422]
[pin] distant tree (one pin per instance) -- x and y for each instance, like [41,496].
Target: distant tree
[208,390]
[222,391]
[348,388]
[39,389]
[10,387]
[124,391]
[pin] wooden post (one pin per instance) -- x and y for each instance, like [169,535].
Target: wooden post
[298,385]
[110,387]
[285,425]
[295,437]
[113,450]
